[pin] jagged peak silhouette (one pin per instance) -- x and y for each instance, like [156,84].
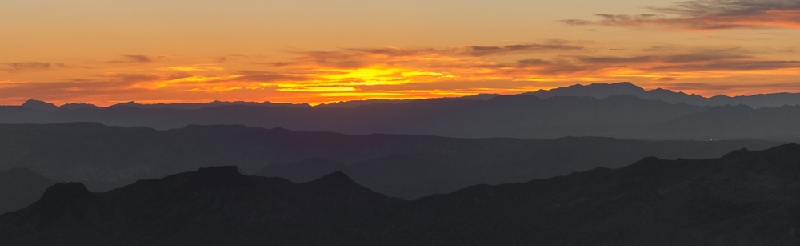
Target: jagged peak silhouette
[337,178]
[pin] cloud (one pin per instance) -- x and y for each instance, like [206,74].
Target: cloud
[576,22]
[79,90]
[265,76]
[516,49]
[130,79]
[221,59]
[393,66]
[134,59]
[31,66]
[476,50]
[666,59]
[709,15]
[360,57]
[726,65]
[657,64]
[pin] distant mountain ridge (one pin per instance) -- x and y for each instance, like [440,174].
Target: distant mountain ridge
[595,90]
[743,198]
[41,105]
[604,90]
[208,105]
[603,110]
[105,157]
[503,116]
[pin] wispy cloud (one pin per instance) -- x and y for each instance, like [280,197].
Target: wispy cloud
[474,50]
[709,15]
[81,90]
[134,59]
[31,66]
[661,63]
[515,49]
[360,57]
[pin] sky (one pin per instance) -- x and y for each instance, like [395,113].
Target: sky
[303,51]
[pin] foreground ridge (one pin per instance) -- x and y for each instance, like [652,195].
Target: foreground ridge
[744,197]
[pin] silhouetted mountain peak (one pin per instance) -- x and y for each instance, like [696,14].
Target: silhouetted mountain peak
[77,106]
[791,150]
[781,152]
[39,105]
[720,97]
[337,178]
[219,171]
[621,86]
[303,171]
[337,186]
[646,162]
[62,205]
[649,159]
[127,104]
[213,177]
[220,175]
[782,162]
[736,153]
[597,90]
[63,192]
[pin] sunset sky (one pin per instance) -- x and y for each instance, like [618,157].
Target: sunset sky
[105,52]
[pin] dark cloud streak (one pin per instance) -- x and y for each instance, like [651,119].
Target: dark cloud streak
[134,59]
[31,66]
[709,15]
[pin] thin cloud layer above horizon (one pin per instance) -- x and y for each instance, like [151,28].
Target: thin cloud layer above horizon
[709,15]
[308,52]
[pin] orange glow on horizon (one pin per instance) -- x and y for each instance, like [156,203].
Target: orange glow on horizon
[326,77]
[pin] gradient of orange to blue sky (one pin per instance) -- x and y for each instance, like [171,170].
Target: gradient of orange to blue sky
[105,52]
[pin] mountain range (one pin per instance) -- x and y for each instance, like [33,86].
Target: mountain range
[596,110]
[105,157]
[594,90]
[604,90]
[550,167]
[743,198]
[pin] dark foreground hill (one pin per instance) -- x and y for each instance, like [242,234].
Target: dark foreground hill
[19,187]
[212,206]
[104,157]
[743,198]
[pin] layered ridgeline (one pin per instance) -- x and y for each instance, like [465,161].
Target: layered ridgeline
[743,198]
[609,110]
[104,157]
[19,187]
[600,90]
